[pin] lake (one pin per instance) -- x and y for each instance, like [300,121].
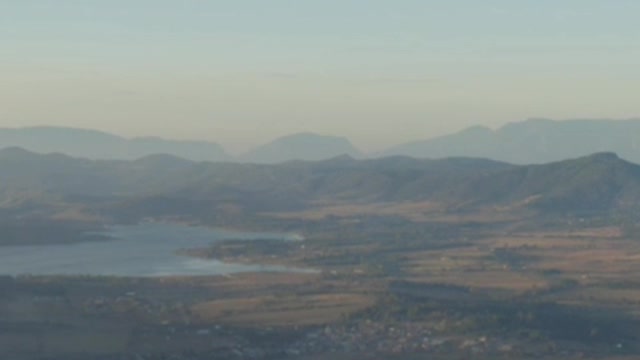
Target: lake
[145,250]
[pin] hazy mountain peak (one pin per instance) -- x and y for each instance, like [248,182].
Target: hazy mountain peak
[302,146]
[340,159]
[605,156]
[62,130]
[94,144]
[535,140]
[15,151]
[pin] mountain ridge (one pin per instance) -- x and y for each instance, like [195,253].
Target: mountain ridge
[601,183]
[99,145]
[532,141]
[535,140]
[306,146]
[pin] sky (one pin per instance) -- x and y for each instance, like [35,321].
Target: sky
[381,72]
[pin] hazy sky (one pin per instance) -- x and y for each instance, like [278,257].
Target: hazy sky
[378,71]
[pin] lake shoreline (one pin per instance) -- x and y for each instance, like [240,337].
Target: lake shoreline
[144,250]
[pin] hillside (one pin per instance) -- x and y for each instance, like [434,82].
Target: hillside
[598,183]
[534,141]
[302,146]
[161,184]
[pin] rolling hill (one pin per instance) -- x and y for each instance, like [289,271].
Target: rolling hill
[601,183]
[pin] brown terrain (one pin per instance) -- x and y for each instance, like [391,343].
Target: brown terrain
[435,289]
[412,259]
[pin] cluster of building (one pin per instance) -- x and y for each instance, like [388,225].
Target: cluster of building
[381,338]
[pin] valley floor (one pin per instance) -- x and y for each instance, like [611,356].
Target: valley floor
[386,288]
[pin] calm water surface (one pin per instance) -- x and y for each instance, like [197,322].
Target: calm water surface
[145,250]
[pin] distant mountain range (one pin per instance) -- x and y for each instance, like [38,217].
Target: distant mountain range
[98,145]
[534,141]
[303,146]
[92,144]
[164,185]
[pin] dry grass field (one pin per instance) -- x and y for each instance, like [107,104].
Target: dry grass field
[419,212]
[414,211]
[526,262]
[282,310]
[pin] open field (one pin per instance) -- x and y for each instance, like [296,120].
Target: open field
[283,310]
[420,211]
